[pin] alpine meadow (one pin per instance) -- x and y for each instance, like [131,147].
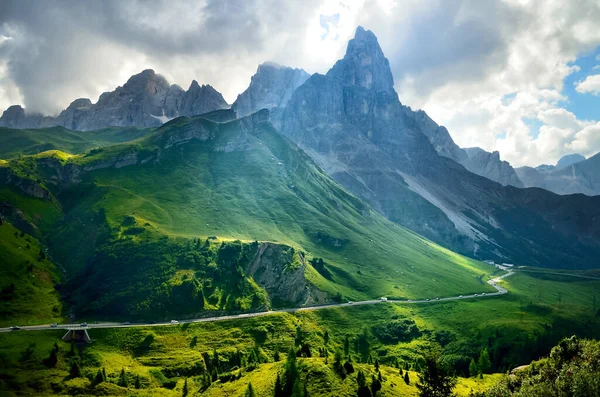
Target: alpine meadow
[306,233]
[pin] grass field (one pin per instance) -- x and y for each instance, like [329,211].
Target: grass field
[31,141]
[500,324]
[26,280]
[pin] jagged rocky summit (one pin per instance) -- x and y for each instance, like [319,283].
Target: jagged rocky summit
[146,100]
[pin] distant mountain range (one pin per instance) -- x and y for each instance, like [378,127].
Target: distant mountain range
[146,100]
[407,167]
[571,174]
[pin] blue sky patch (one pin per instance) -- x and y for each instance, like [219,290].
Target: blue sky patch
[584,106]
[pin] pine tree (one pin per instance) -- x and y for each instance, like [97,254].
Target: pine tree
[406,378]
[347,346]
[52,359]
[75,371]
[291,373]
[123,378]
[363,389]
[326,337]
[276,356]
[485,365]
[99,378]
[138,382]
[278,388]
[376,364]
[375,385]
[473,368]
[249,391]
[185,390]
[104,373]
[435,380]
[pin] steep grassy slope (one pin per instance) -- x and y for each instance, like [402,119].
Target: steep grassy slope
[27,280]
[31,141]
[237,180]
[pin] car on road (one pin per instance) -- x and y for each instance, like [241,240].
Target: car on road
[83,324]
[460,296]
[350,302]
[126,323]
[174,322]
[53,325]
[428,299]
[437,299]
[15,328]
[384,299]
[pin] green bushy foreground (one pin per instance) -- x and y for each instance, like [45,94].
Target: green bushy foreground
[510,330]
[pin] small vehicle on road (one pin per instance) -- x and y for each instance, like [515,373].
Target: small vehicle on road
[437,299]
[53,325]
[460,296]
[384,299]
[83,324]
[350,302]
[428,299]
[174,322]
[15,328]
[126,323]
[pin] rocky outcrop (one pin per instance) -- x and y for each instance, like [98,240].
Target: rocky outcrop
[271,87]
[16,117]
[146,100]
[490,166]
[201,99]
[569,176]
[407,167]
[475,160]
[273,268]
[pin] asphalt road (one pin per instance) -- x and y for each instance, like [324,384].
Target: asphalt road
[493,282]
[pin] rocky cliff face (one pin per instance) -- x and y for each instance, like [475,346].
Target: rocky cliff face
[569,176]
[490,166]
[271,87]
[353,124]
[475,160]
[146,100]
[271,269]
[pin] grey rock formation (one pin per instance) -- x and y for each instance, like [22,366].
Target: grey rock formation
[475,160]
[353,125]
[269,270]
[146,100]
[569,176]
[490,166]
[271,87]
[569,159]
[16,117]
[201,99]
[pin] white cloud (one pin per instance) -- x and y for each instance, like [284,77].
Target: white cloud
[591,84]
[449,57]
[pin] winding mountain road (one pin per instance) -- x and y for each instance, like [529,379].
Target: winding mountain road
[493,282]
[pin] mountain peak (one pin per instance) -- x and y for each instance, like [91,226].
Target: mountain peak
[148,81]
[569,159]
[364,64]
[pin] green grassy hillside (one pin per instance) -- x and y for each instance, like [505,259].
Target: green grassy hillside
[27,280]
[32,141]
[193,178]
[514,329]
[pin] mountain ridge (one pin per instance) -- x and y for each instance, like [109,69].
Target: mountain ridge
[145,100]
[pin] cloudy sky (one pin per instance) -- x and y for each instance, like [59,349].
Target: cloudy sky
[518,76]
